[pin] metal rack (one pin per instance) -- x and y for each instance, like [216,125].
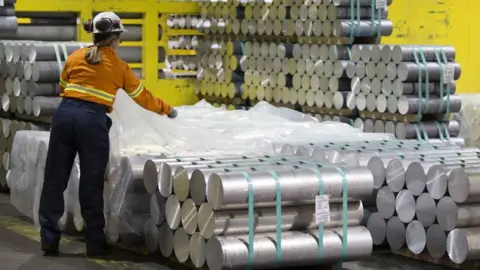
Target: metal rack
[155,12]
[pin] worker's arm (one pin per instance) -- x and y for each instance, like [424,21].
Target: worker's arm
[64,76]
[142,96]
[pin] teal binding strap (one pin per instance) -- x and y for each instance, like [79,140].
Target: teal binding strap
[447,111]
[278,210]
[447,133]
[354,23]
[251,222]
[344,215]
[442,80]
[372,15]
[440,132]
[427,79]
[424,131]
[420,94]
[419,134]
[242,46]
[321,191]
[379,25]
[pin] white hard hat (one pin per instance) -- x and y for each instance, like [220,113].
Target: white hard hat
[115,26]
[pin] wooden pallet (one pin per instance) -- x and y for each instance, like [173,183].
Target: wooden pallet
[444,262]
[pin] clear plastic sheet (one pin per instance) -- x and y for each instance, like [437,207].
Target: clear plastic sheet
[469,118]
[26,174]
[204,130]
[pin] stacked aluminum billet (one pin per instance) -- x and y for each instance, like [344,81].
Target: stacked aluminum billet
[8,129]
[182,64]
[8,19]
[423,194]
[412,86]
[198,210]
[281,52]
[30,74]
[198,205]
[26,174]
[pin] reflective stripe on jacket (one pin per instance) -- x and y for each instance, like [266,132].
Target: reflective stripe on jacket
[100,83]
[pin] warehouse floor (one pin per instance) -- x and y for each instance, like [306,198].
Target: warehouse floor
[20,249]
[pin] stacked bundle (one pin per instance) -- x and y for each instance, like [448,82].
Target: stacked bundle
[277,50]
[192,219]
[405,84]
[8,20]
[424,194]
[25,180]
[9,128]
[183,21]
[31,72]
[183,40]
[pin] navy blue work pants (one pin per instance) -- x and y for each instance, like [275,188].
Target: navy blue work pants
[77,127]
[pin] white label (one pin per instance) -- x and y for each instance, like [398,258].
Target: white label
[2,3]
[381,4]
[448,74]
[322,209]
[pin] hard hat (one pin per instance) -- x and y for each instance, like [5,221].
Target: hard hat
[105,22]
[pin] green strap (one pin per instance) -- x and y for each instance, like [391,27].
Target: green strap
[427,79]
[442,81]
[379,15]
[447,112]
[321,191]
[278,210]
[420,94]
[251,221]
[440,132]
[447,133]
[372,15]
[344,215]
[355,23]
[417,132]
[344,211]
[242,46]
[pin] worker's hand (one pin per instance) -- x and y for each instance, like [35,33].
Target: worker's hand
[173,113]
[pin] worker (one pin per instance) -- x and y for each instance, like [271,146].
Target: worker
[89,81]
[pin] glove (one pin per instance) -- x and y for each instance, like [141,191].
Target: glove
[172,114]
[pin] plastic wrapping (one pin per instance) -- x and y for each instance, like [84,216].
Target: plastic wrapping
[469,118]
[26,174]
[199,130]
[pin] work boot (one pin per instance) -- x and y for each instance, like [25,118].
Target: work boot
[97,250]
[50,250]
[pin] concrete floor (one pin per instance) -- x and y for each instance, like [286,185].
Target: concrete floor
[20,249]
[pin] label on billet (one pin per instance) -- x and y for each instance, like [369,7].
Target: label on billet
[449,74]
[322,209]
[381,4]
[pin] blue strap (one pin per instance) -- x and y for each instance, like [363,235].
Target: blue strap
[278,210]
[251,222]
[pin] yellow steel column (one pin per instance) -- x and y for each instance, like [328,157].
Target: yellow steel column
[86,11]
[150,43]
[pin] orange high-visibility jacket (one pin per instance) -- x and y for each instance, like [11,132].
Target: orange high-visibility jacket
[100,83]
